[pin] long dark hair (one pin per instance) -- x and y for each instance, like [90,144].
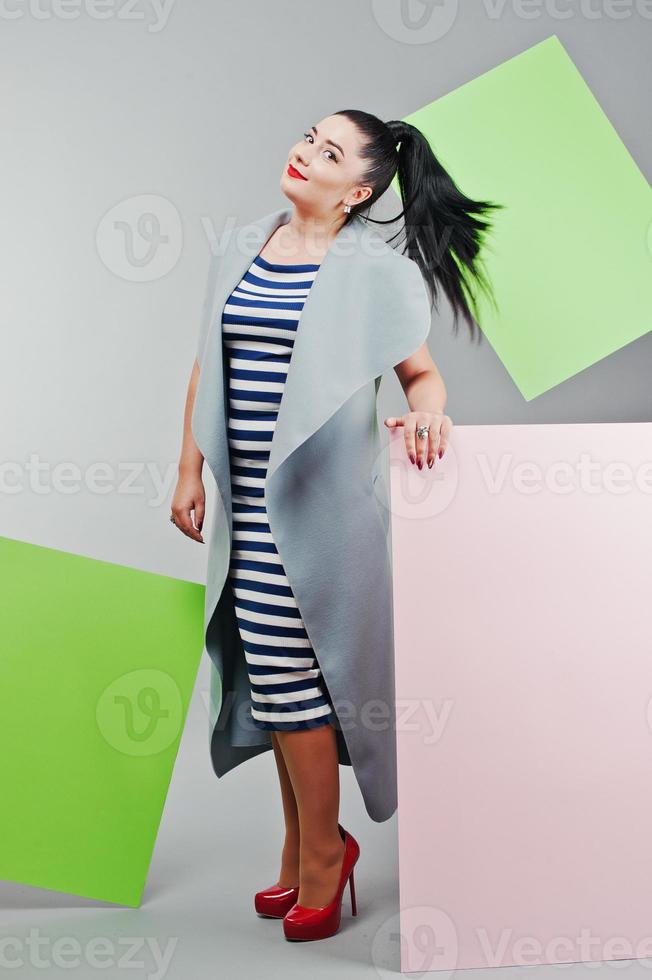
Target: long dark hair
[444,230]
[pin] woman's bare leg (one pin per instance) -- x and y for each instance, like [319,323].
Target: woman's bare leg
[289,876]
[311,761]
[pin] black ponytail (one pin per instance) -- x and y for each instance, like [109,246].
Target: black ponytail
[444,231]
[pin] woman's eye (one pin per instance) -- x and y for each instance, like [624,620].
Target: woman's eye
[309,136]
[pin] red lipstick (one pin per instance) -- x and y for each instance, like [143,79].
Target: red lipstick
[293,172]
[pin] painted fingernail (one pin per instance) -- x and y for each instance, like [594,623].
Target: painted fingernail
[412,459]
[420,464]
[441,453]
[430,462]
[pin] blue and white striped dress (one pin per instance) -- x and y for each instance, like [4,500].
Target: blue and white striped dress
[259,325]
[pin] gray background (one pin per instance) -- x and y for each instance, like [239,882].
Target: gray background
[196,105]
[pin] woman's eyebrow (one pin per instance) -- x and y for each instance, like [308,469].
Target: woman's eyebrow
[329,141]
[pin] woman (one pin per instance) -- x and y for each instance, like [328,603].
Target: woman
[307,309]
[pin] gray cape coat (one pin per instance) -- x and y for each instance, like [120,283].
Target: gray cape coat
[326,492]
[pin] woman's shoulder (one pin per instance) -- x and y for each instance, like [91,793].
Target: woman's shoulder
[387,256]
[396,270]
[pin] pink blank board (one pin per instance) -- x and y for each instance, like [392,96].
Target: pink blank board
[523,639]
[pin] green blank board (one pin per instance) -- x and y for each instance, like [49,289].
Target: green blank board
[570,257]
[97,667]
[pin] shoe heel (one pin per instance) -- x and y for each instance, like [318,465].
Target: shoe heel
[354,908]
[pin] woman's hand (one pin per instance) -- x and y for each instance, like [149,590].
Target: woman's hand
[436,440]
[189,495]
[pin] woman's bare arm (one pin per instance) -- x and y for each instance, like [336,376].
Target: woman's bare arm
[189,494]
[425,391]
[421,381]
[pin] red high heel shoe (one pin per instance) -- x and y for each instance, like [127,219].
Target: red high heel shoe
[302,922]
[275,901]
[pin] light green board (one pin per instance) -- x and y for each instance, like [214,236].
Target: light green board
[570,258]
[97,666]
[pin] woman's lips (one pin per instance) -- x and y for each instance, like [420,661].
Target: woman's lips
[293,172]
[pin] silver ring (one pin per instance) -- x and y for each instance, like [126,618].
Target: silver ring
[422,431]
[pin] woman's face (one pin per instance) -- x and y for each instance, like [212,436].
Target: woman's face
[327,158]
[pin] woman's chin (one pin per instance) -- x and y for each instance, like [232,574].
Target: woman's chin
[289,187]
